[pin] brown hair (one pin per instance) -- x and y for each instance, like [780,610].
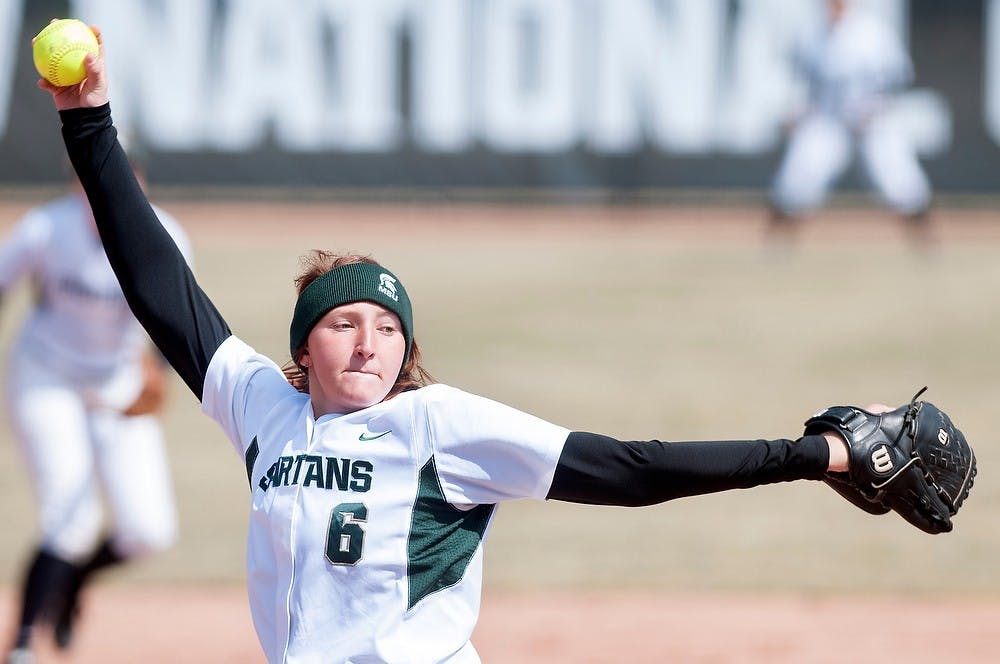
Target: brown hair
[316,263]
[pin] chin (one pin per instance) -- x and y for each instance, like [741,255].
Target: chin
[355,393]
[364,400]
[361,404]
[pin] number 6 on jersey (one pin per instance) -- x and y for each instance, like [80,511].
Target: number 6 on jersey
[345,539]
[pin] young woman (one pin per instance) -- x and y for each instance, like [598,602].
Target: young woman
[372,489]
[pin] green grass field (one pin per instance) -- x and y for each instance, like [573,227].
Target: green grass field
[660,323]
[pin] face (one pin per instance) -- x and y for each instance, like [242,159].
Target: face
[353,356]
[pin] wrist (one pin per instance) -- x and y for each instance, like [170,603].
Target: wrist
[840,459]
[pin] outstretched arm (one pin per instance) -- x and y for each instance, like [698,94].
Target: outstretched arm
[600,470]
[156,280]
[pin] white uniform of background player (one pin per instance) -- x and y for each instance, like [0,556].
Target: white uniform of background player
[853,63]
[73,369]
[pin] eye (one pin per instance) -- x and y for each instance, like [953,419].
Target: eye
[341,325]
[387,329]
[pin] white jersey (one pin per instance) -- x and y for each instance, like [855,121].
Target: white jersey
[81,327]
[852,65]
[365,530]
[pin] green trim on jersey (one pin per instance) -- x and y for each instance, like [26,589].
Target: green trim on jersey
[251,459]
[442,538]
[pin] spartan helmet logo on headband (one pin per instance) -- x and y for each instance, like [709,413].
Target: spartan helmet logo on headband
[387,285]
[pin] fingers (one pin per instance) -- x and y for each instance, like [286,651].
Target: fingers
[90,63]
[45,85]
[877,408]
[100,39]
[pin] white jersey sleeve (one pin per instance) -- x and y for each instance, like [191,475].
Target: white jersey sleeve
[487,452]
[241,388]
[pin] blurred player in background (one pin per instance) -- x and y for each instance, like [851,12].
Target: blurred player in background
[854,65]
[83,388]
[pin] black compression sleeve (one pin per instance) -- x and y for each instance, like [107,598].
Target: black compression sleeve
[159,286]
[599,470]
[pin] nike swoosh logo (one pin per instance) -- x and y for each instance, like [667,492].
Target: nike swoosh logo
[365,437]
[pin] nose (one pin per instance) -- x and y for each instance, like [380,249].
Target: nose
[365,346]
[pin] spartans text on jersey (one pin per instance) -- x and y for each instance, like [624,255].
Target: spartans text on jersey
[319,471]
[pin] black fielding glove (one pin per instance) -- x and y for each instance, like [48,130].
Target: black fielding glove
[912,460]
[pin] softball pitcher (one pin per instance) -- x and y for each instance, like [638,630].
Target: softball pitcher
[372,489]
[80,379]
[854,65]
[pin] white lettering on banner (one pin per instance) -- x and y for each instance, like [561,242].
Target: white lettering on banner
[537,76]
[757,89]
[271,76]
[442,111]
[10,42]
[656,65]
[323,76]
[366,114]
[157,58]
[527,79]
[991,70]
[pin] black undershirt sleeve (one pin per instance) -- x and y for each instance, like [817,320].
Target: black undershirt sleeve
[156,280]
[599,470]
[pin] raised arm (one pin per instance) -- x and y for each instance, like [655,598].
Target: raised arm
[156,280]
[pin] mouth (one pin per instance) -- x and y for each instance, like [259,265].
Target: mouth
[361,372]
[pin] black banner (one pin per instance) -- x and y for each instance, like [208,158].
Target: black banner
[484,94]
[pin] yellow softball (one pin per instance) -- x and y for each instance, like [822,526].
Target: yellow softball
[59,50]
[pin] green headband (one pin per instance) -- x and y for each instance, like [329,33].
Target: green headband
[353,282]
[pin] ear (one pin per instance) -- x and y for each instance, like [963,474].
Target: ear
[305,359]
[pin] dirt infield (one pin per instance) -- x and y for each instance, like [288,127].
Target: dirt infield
[157,624]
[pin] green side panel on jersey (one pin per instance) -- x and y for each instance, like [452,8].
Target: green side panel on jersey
[251,459]
[442,539]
